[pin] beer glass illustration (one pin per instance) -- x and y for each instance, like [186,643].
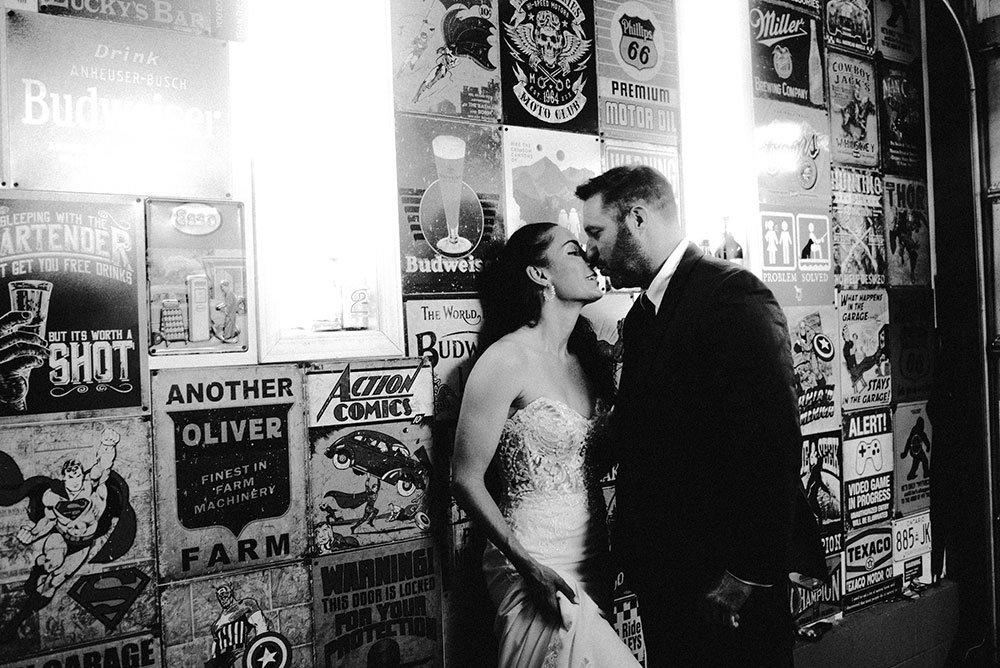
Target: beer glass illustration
[449,158]
[33,297]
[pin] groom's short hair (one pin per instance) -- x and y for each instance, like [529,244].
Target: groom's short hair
[621,187]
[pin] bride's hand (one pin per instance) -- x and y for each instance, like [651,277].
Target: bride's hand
[544,585]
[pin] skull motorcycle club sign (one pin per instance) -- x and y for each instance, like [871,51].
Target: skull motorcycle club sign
[549,65]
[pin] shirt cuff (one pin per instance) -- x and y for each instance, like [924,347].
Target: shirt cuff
[748,582]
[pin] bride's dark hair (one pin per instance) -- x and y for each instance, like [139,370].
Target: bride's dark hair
[511,300]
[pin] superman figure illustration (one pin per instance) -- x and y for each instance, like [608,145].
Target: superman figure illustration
[83,516]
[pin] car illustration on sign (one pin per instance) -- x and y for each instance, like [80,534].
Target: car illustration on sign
[382,456]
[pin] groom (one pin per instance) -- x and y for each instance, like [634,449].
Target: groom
[707,435]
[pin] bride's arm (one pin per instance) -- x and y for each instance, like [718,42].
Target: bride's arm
[493,386]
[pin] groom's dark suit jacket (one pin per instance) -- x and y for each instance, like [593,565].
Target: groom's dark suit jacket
[708,438]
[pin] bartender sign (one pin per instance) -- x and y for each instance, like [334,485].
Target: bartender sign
[370,392]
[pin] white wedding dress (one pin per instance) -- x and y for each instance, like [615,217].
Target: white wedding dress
[553,502]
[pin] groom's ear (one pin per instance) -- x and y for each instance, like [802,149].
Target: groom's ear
[536,275]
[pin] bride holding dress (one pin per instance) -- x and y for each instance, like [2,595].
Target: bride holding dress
[532,403]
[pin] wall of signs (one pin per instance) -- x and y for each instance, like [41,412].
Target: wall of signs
[247,514]
[846,249]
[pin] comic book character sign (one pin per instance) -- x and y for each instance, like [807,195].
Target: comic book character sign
[849,25]
[445,57]
[76,527]
[901,107]
[71,274]
[813,333]
[853,116]
[858,241]
[864,337]
[451,222]
[369,485]
[258,618]
[548,64]
[821,478]
[907,231]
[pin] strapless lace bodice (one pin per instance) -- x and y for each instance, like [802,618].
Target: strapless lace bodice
[543,451]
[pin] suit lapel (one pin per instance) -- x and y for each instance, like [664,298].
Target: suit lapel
[675,289]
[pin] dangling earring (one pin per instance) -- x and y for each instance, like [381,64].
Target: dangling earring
[548,293]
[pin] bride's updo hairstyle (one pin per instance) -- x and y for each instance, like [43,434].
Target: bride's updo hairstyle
[511,300]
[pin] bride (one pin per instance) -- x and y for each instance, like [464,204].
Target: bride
[532,401]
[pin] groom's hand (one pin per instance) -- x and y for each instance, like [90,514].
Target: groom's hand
[722,603]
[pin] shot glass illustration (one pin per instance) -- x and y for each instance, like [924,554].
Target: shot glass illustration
[449,158]
[33,297]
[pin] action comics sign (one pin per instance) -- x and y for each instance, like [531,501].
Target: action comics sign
[229,456]
[907,231]
[76,521]
[813,331]
[549,71]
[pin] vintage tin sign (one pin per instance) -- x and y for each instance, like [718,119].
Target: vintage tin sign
[451,220]
[377,602]
[907,231]
[197,271]
[637,71]
[821,474]
[75,264]
[369,484]
[897,29]
[542,169]
[813,331]
[208,18]
[76,511]
[446,331]
[143,650]
[446,58]
[664,159]
[356,393]
[853,116]
[792,148]
[864,339]
[912,438]
[548,64]
[786,52]
[796,258]
[901,116]
[868,468]
[249,618]
[911,343]
[100,107]
[868,568]
[858,228]
[811,605]
[849,25]
[230,445]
